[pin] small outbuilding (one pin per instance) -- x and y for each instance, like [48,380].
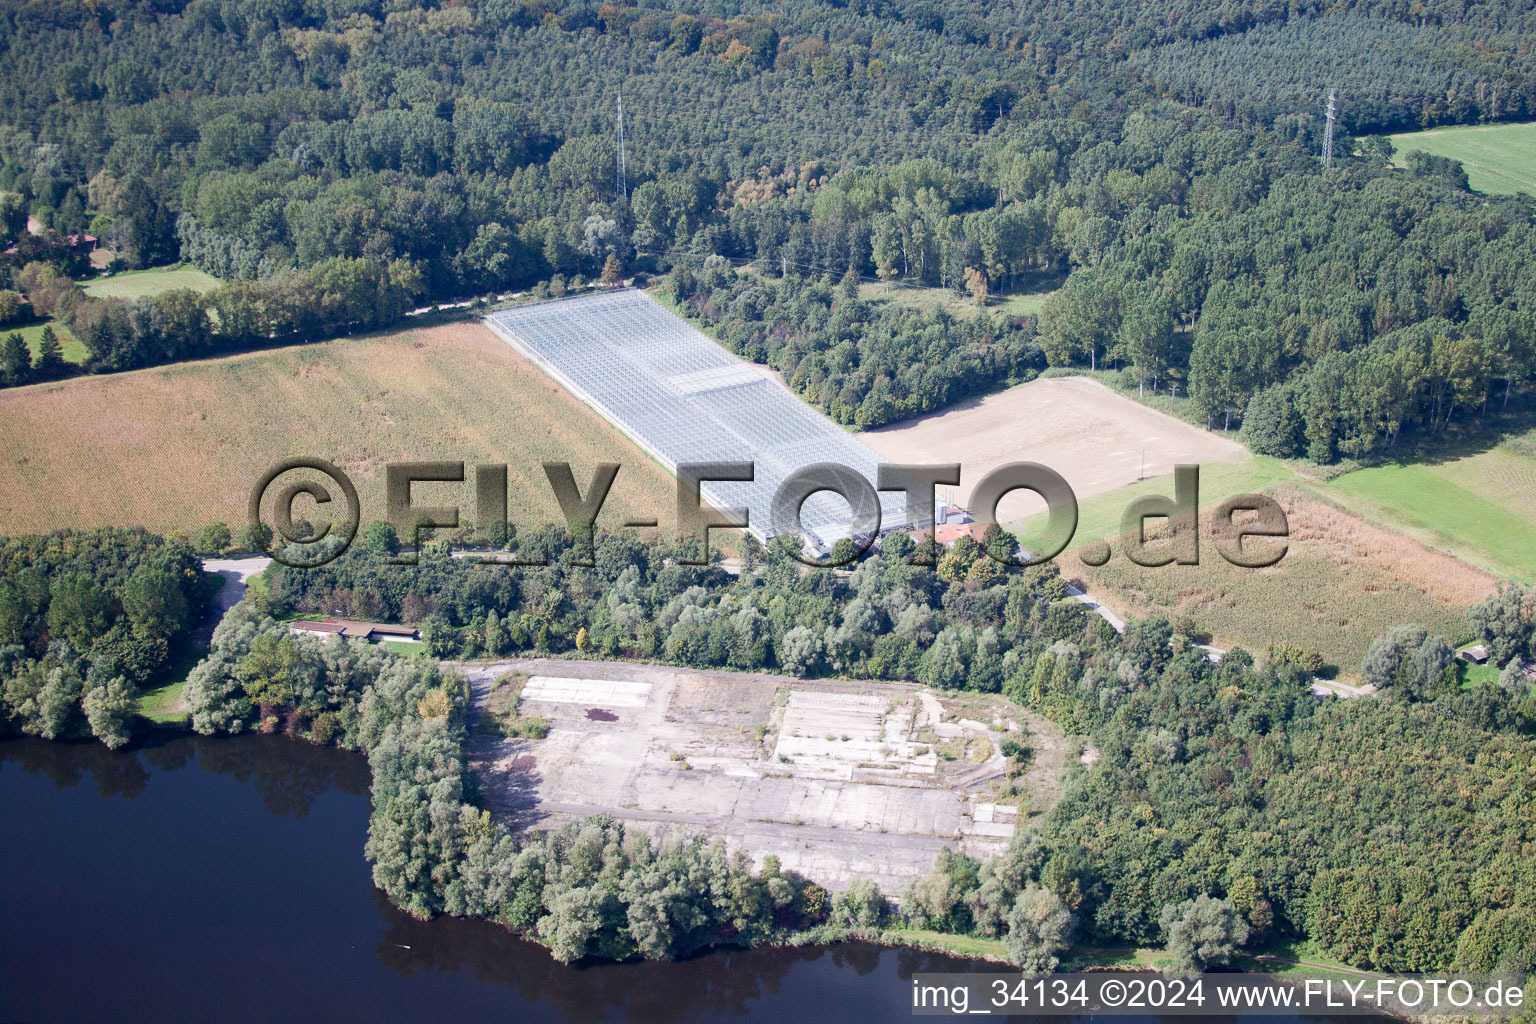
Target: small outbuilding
[1477,654]
[352,629]
[946,535]
[315,628]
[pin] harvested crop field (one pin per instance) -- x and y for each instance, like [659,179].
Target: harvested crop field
[1076,426]
[1342,583]
[180,446]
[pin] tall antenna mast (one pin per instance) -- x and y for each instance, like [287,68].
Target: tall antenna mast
[1333,113]
[623,184]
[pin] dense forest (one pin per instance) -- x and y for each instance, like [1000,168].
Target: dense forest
[1224,791]
[1393,75]
[85,620]
[1226,799]
[337,164]
[1327,312]
[859,362]
[965,623]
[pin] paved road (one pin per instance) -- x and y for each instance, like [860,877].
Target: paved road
[1097,606]
[235,572]
[1333,688]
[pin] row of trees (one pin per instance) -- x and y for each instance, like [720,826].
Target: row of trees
[334,297]
[963,624]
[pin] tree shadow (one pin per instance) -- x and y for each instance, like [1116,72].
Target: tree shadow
[1460,440]
[710,985]
[506,779]
[66,763]
[289,774]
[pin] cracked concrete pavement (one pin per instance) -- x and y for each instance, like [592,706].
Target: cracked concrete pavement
[837,778]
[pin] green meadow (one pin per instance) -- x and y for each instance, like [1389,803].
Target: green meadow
[74,349]
[1480,508]
[140,284]
[1500,159]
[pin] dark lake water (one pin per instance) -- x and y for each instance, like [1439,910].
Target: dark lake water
[223,879]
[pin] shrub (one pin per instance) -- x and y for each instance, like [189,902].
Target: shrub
[1271,426]
[1202,931]
[1288,653]
[214,539]
[528,728]
[861,905]
[1039,926]
[325,727]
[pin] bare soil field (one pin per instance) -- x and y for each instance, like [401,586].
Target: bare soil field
[1342,583]
[1093,437]
[177,447]
[837,778]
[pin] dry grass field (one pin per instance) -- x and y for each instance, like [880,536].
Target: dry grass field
[1093,437]
[1342,583]
[180,446]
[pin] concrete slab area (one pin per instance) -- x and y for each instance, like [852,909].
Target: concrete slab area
[837,778]
[603,693]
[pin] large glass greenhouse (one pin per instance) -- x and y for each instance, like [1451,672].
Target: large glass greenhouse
[684,399]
